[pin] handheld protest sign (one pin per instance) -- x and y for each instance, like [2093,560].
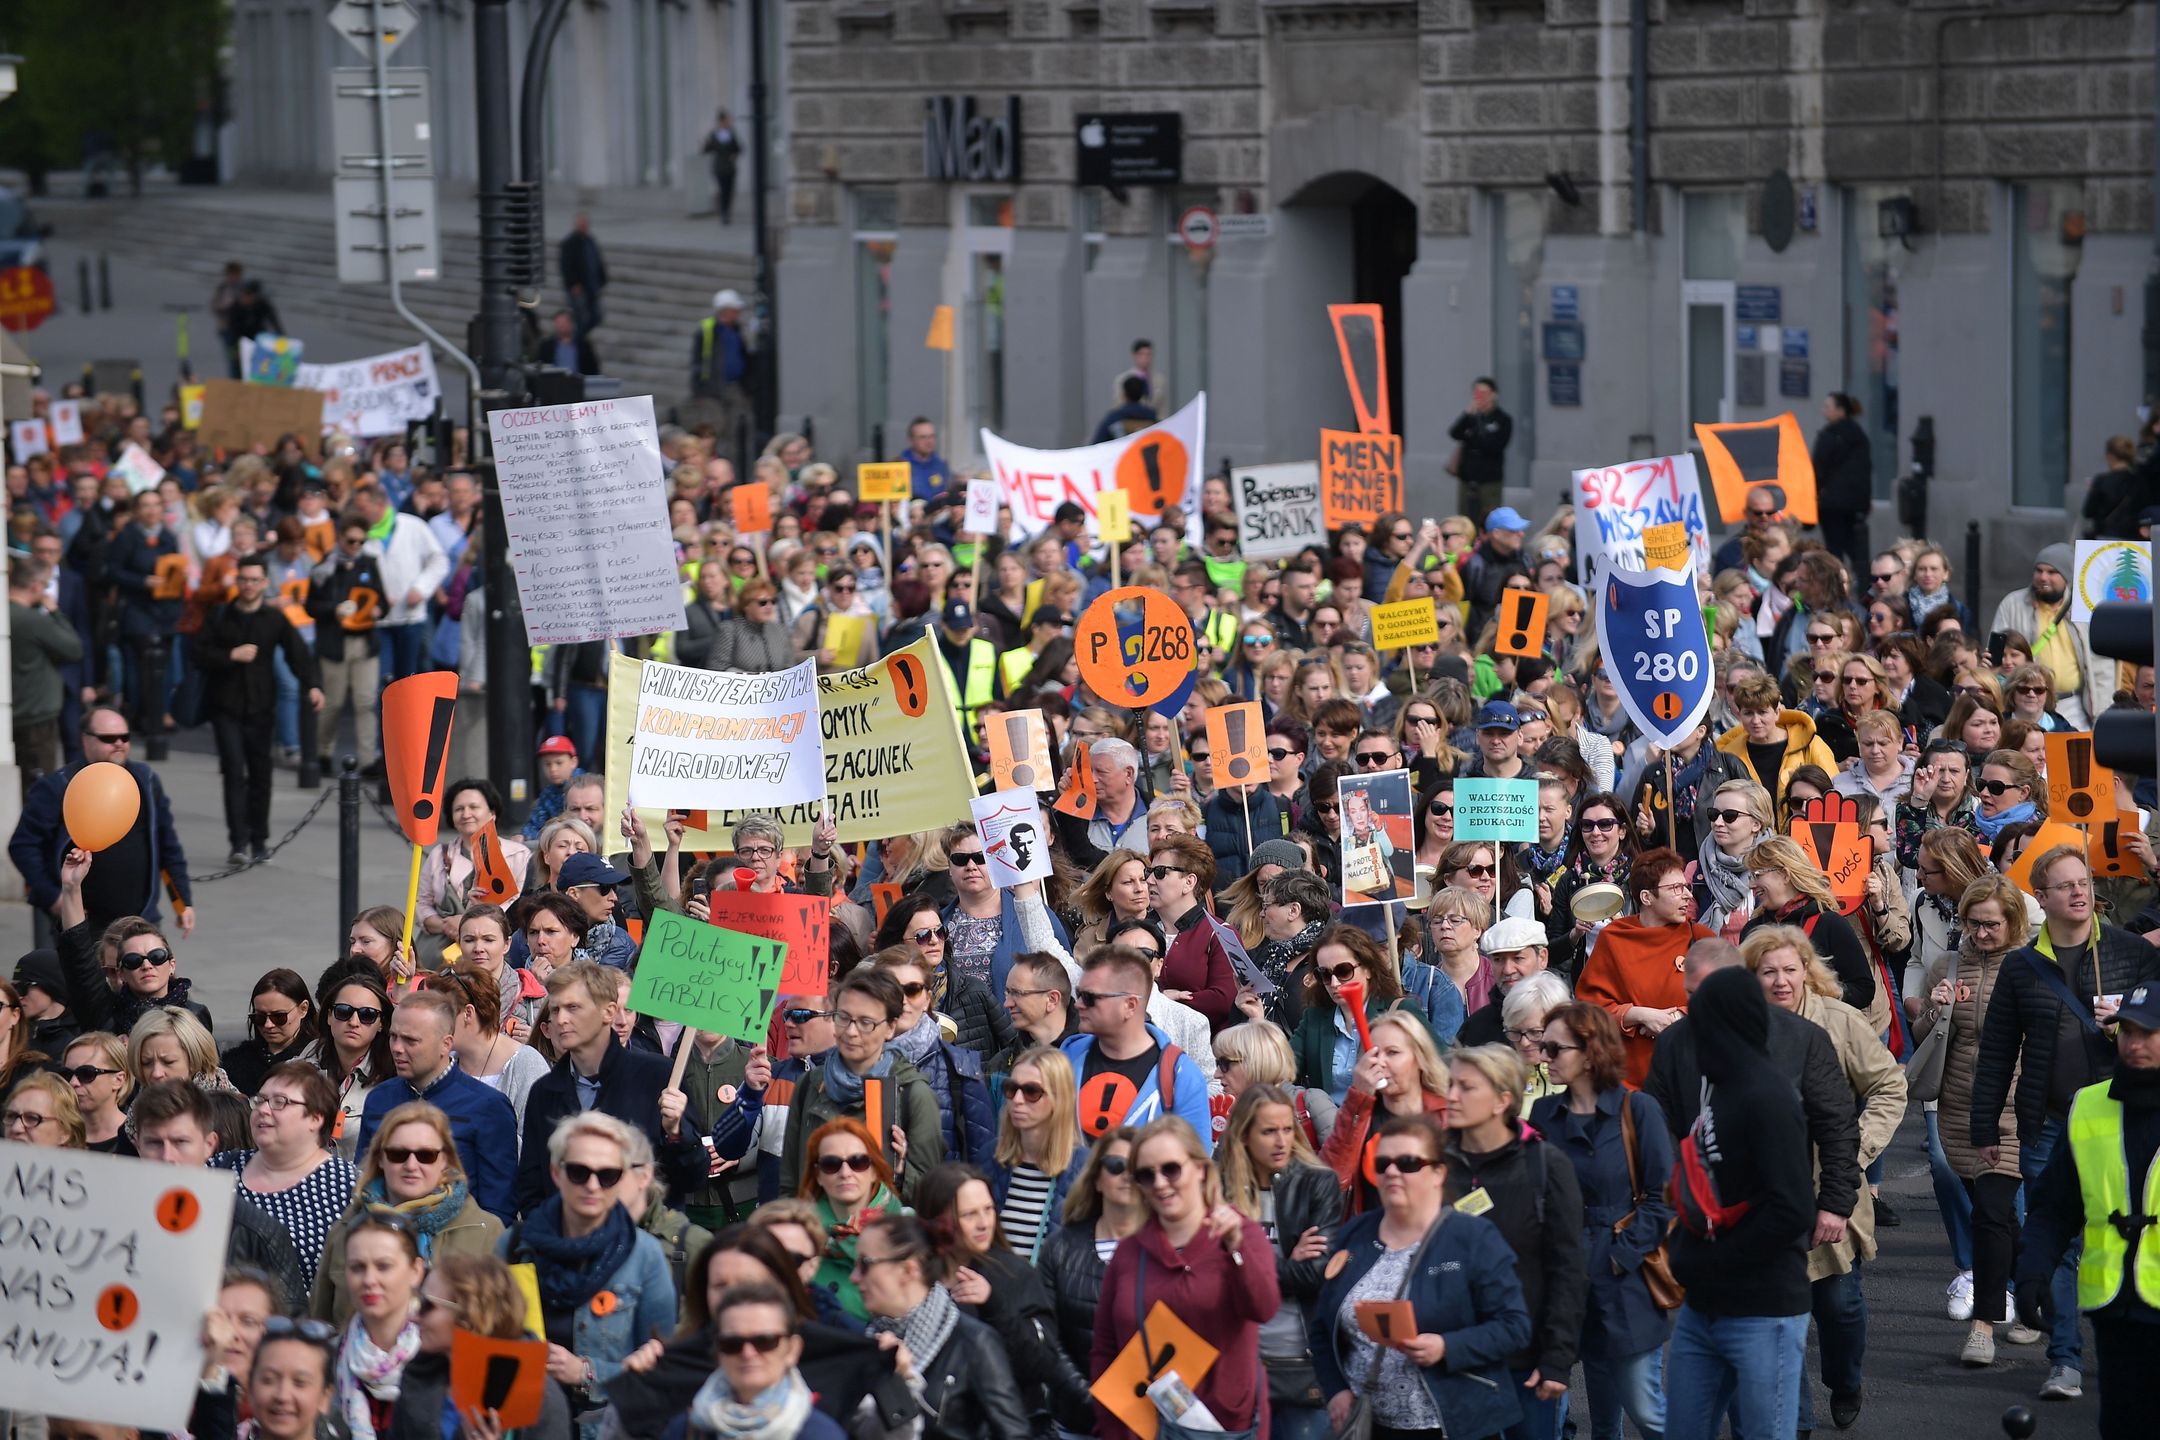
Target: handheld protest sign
[940,336]
[1377,840]
[1403,623]
[169,580]
[2047,837]
[492,880]
[801,923]
[1743,454]
[1496,810]
[1237,742]
[717,740]
[26,438]
[1140,665]
[2080,789]
[1829,830]
[1019,750]
[1523,615]
[1076,797]
[881,480]
[416,716]
[1166,1343]
[1361,340]
[1113,516]
[1361,477]
[1665,547]
[883,897]
[1015,837]
[982,508]
[1657,651]
[507,1378]
[707,977]
[1392,1323]
[2108,849]
[751,505]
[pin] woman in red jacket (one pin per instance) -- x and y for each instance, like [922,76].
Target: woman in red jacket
[1208,1265]
[1402,1074]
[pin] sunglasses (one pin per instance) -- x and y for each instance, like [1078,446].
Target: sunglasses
[1089,999]
[1327,807]
[1340,974]
[1608,823]
[1144,951]
[1114,1164]
[89,1074]
[968,857]
[913,988]
[121,739]
[1998,787]
[859,1162]
[803,1015]
[1278,756]
[271,1017]
[1730,817]
[1258,642]
[607,1176]
[1169,1174]
[1478,872]
[406,1154]
[365,1014]
[2032,690]
[1026,1090]
[429,1304]
[737,1344]
[1442,810]
[150,958]
[928,933]
[1158,872]
[1375,761]
[1401,1164]
[1814,639]
[315,1332]
[1552,1051]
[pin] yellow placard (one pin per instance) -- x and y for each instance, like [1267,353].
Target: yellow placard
[883,480]
[1665,547]
[1113,516]
[1405,623]
[941,329]
[844,637]
[191,406]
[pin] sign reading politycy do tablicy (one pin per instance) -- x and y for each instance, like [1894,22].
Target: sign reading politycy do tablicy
[708,978]
[717,740]
[585,503]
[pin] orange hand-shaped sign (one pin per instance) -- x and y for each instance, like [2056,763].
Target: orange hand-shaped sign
[1829,830]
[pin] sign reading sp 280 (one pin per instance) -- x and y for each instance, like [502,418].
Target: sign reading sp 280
[1651,633]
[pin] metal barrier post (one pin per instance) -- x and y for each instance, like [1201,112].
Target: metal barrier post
[348,816]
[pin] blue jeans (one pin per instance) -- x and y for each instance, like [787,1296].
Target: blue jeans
[2066,1346]
[1541,1419]
[1754,1360]
[404,650]
[288,702]
[583,718]
[1840,1307]
[1298,1422]
[1636,1385]
[1951,1197]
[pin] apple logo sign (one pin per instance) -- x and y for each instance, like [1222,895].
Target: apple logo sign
[1091,135]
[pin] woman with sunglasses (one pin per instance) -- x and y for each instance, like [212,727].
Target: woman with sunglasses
[1213,1268]
[1599,852]
[1270,1174]
[1859,687]
[1327,1043]
[291,1171]
[985,927]
[1435,825]
[281,1027]
[41,1110]
[1458,1276]
[838,597]
[967,1391]
[1738,816]
[1790,890]
[1039,1152]
[2031,689]
[707,613]
[604,1284]
[1102,1209]
[1625,1213]
[756,641]
[1401,1074]
[476,1294]
[17,1056]
[292,1381]
[95,1065]
[411,1170]
[1116,890]
[846,1177]
[354,1051]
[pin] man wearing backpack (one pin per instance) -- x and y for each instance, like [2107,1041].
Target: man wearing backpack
[1128,1071]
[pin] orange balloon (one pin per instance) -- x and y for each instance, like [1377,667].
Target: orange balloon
[100,805]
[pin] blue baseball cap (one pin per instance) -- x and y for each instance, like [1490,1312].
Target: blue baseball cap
[583,869]
[1498,715]
[2141,1007]
[1507,517]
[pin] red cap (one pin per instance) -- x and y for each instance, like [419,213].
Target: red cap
[558,745]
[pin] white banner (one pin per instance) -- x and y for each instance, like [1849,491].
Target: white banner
[1159,466]
[107,1265]
[379,395]
[1279,509]
[716,740]
[1614,504]
[2110,570]
[586,506]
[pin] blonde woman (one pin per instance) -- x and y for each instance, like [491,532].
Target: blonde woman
[1258,1053]
[1402,1074]
[1171,815]
[169,1043]
[1740,816]
[96,1065]
[1039,1154]
[1115,891]
[41,1110]
[1790,890]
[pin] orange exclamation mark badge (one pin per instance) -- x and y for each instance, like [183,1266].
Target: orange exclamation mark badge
[1237,737]
[2080,789]
[911,683]
[177,1211]
[117,1307]
[417,712]
[1522,623]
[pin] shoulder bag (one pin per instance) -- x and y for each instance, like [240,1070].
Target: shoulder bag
[1666,1292]
[1358,1424]
[1924,1072]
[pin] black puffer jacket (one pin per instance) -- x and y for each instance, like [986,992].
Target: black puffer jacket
[984,1026]
[1307,1197]
[1073,1275]
[1844,467]
[2029,1032]
[1052,1387]
[1537,1207]
[259,1240]
[968,1391]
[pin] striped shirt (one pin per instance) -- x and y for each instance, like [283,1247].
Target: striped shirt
[1027,1201]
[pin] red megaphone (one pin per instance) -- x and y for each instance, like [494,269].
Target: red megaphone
[1353,995]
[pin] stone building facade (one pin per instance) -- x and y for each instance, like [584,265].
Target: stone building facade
[1467,164]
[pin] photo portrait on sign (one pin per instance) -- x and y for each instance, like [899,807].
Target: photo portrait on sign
[1015,837]
[1377,843]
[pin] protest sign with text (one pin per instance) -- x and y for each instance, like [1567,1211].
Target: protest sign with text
[1502,810]
[1377,843]
[802,924]
[1155,467]
[67,422]
[1361,477]
[379,395]
[1403,623]
[1650,628]
[718,740]
[707,977]
[586,507]
[1616,504]
[1279,511]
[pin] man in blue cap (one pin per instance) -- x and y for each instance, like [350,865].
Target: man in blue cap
[1497,560]
[1497,743]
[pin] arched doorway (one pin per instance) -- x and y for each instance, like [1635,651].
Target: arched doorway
[1379,235]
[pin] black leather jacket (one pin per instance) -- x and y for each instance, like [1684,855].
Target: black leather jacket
[1307,1197]
[1073,1275]
[968,1391]
[1052,1386]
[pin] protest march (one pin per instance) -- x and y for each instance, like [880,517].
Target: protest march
[1092,945]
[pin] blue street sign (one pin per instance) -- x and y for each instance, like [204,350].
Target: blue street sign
[1566,302]
[1650,631]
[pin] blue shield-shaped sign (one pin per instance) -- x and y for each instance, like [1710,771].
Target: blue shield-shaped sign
[1657,650]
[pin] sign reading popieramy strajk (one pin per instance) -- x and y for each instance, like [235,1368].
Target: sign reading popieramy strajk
[107,1265]
[586,507]
[700,975]
[716,740]
[1615,504]
[1279,510]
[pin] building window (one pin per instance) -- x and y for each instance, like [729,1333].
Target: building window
[2047,231]
[1716,232]
[989,243]
[1872,268]
[1518,256]
[1091,227]
[877,226]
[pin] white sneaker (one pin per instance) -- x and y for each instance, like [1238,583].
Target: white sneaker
[1960,1291]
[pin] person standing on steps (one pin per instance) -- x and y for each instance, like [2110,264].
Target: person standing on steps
[1481,434]
[584,275]
[725,147]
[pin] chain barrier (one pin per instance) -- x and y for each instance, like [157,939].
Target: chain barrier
[328,792]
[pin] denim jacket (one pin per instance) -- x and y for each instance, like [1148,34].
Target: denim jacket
[643,1309]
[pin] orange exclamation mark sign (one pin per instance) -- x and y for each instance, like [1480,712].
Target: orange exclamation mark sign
[2080,758]
[417,715]
[1522,626]
[1234,724]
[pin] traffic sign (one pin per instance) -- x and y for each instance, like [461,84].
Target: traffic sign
[1651,633]
[358,21]
[26,298]
[1196,227]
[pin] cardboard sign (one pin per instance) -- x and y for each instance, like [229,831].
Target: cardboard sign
[801,924]
[1135,665]
[1019,750]
[26,438]
[493,881]
[237,416]
[982,507]
[1665,547]
[1156,467]
[1378,840]
[109,1265]
[717,740]
[271,359]
[941,329]
[1175,1346]
[1279,509]
[883,897]
[1076,797]
[2107,850]
[507,1377]
[1743,454]
[67,422]
[1361,477]
[2047,837]
[2110,570]
[1237,743]
[707,977]
[2080,790]
[1015,837]
[1113,516]
[1522,615]
[1392,1323]
[1404,623]
[1829,830]
[1502,810]
[416,716]
[884,480]
[1361,340]
[1617,507]
[894,759]
[751,505]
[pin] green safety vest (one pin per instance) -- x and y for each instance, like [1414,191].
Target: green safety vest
[2096,1143]
[1220,630]
[981,680]
[1225,574]
[1014,666]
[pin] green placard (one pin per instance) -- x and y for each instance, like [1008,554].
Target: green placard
[711,979]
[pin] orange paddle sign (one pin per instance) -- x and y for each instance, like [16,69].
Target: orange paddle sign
[492,880]
[1164,1343]
[1522,622]
[1746,453]
[416,716]
[1076,797]
[1152,472]
[508,1377]
[1361,340]
[1134,671]
[1387,1322]
[1829,830]
[1237,744]
[752,504]
[2047,837]
[2080,789]
[1019,750]
[2109,850]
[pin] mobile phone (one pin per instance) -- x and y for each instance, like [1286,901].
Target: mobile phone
[699,888]
[1998,640]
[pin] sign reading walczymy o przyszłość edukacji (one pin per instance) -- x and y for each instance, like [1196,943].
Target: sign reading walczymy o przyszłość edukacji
[718,740]
[708,978]
[894,760]
[107,1266]
[1657,650]
[1498,810]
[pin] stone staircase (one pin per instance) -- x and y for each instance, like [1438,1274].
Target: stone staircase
[655,296]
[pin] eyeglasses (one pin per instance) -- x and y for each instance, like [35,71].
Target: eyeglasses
[928,933]
[1016,993]
[2074,887]
[1730,817]
[1998,787]
[89,1074]
[755,852]
[1278,756]
[859,1162]
[1401,1164]
[121,739]
[313,1331]
[580,1176]
[276,1104]
[1552,1051]
[1607,823]
[150,958]
[407,1154]
[1026,1090]
[1160,872]
[1680,889]
[1089,999]
[23,1120]
[271,1017]
[968,857]
[365,1014]
[1340,974]
[803,1015]
[1168,1173]
[843,1021]
[1375,760]
[764,1344]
